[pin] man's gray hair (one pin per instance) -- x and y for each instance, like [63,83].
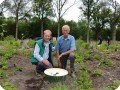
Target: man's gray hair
[66,26]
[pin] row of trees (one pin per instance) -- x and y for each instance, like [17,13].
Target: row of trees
[29,18]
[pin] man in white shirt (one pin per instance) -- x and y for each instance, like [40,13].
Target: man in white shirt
[42,53]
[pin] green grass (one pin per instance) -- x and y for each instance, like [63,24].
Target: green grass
[59,87]
[8,86]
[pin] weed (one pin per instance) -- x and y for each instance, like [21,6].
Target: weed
[59,87]
[97,56]
[107,62]
[7,86]
[2,74]
[97,72]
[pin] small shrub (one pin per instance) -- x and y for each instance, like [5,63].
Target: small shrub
[9,38]
[84,82]
[107,62]
[97,72]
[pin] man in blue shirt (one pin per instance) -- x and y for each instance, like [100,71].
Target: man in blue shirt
[65,48]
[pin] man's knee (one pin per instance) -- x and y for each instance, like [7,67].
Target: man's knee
[71,56]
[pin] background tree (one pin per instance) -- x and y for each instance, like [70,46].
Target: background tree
[99,17]
[19,9]
[42,9]
[114,16]
[4,7]
[60,8]
[87,9]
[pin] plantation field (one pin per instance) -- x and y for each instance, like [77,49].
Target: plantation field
[96,67]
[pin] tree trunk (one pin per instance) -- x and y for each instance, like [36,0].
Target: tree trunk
[16,23]
[113,28]
[88,32]
[16,34]
[88,18]
[42,27]
[58,28]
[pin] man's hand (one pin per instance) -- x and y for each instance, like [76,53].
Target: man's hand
[60,55]
[46,62]
[59,63]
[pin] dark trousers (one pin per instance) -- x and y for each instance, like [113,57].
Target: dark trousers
[40,67]
[64,59]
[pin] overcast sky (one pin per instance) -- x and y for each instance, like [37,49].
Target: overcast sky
[73,13]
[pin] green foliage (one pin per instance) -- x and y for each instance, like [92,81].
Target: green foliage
[31,43]
[25,53]
[3,74]
[59,87]
[105,62]
[97,56]
[4,64]
[8,86]
[82,28]
[102,47]
[7,53]
[11,44]
[79,58]
[88,55]
[97,72]
[9,38]
[84,82]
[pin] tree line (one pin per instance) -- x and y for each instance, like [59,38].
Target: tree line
[28,18]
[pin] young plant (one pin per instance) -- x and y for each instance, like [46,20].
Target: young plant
[2,74]
[105,62]
[59,87]
[97,72]
[8,86]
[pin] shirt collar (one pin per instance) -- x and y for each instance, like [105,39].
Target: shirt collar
[67,37]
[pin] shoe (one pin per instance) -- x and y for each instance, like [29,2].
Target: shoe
[73,75]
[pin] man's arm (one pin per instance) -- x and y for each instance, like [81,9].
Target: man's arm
[38,56]
[58,59]
[65,53]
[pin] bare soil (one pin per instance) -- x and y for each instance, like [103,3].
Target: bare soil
[109,74]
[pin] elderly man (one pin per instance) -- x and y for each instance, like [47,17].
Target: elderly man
[65,48]
[41,56]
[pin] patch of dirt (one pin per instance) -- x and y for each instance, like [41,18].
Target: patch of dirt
[27,79]
[1,47]
[109,74]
